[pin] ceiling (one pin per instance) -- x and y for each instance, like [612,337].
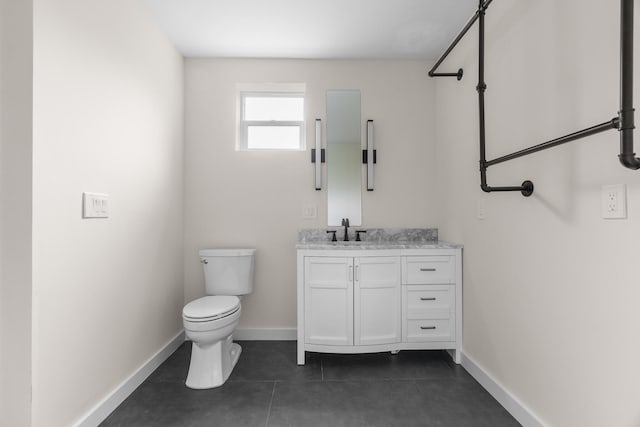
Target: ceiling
[320,29]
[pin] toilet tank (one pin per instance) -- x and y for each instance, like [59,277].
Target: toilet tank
[228,271]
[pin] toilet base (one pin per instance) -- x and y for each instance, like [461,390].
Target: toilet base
[211,364]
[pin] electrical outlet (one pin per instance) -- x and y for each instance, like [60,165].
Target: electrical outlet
[614,201]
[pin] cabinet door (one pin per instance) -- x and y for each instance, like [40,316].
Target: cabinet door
[377,314]
[328,300]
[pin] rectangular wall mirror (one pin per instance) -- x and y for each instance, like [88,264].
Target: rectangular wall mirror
[344,157]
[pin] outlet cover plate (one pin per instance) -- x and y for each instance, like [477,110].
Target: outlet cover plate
[614,201]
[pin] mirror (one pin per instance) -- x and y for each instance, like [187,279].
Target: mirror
[344,157]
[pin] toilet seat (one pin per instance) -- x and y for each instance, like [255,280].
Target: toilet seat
[210,308]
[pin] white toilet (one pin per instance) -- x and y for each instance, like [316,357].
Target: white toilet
[209,321]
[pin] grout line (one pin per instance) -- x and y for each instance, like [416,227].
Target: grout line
[389,380]
[273,393]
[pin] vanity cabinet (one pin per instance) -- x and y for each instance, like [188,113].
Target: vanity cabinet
[361,300]
[352,301]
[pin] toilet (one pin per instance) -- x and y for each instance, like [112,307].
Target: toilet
[209,321]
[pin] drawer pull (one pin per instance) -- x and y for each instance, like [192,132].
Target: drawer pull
[427,269]
[427,327]
[428,299]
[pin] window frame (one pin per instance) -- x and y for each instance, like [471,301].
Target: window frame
[244,125]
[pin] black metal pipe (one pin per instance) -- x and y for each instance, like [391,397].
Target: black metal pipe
[612,124]
[454,43]
[626,114]
[526,188]
[624,122]
[481,87]
[493,189]
[458,74]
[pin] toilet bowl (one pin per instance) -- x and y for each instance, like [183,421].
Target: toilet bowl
[209,321]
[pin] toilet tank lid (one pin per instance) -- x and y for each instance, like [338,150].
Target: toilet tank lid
[227,252]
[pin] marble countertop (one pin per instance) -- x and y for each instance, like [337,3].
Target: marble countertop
[374,239]
[437,244]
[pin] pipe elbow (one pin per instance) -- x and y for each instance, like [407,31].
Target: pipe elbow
[485,188]
[629,160]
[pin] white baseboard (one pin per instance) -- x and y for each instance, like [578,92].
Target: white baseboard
[102,410]
[512,404]
[264,334]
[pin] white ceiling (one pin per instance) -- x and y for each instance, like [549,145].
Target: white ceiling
[326,29]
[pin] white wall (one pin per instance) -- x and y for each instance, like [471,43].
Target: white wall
[551,289]
[15,212]
[107,293]
[255,199]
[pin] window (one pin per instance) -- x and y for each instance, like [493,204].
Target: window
[271,120]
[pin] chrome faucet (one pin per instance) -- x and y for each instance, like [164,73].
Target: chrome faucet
[345,224]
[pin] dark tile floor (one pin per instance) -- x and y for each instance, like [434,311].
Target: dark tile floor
[267,388]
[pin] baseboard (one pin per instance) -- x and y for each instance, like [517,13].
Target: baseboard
[512,404]
[102,410]
[266,334]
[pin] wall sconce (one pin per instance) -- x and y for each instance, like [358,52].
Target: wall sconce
[318,160]
[369,155]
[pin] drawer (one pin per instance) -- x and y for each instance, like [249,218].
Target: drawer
[429,302]
[428,330]
[419,270]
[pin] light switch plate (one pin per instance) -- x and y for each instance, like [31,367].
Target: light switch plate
[309,211]
[95,205]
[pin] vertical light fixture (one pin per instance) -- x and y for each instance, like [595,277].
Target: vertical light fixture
[370,157]
[317,155]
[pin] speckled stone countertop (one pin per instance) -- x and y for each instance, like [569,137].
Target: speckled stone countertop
[374,238]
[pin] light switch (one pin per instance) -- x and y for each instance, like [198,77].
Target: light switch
[309,211]
[95,205]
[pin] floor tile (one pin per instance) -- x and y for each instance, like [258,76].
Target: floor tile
[273,361]
[386,366]
[268,388]
[346,403]
[462,402]
[175,368]
[234,404]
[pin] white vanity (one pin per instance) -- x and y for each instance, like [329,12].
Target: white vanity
[400,289]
